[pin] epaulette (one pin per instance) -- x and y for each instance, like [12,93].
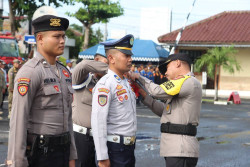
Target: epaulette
[31,63]
[104,79]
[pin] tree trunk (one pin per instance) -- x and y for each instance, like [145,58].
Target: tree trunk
[12,20]
[86,38]
[217,74]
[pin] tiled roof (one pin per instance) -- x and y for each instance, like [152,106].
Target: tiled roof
[231,27]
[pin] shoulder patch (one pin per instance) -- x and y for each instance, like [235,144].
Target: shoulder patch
[23,80]
[103,90]
[22,88]
[102,100]
[173,87]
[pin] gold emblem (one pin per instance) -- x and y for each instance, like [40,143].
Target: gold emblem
[115,138]
[168,106]
[131,41]
[55,22]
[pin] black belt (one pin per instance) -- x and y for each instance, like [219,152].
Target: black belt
[188,129]
[55,140]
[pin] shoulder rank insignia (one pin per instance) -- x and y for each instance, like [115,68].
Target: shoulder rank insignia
[118,87]
[173,87]
[102,100]
[22,88]
[65,73]
[117,78]
[120,92]
[103,90]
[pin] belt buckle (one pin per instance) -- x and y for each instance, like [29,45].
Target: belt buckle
[129,140]
[132,140]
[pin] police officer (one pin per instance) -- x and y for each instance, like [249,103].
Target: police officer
[41,132]
[12,75]
[180,114]
[2,84]
[113,117]
[84,78]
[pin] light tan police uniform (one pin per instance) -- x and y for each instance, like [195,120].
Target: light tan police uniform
[41,105]
[182,107]
[11,75]
[113,112]
[83,81]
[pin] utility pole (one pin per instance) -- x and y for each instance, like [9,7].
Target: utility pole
[105,32]
[1,14]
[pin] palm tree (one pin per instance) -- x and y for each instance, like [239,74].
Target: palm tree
[216,58]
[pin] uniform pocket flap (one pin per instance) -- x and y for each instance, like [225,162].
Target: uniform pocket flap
[51,89]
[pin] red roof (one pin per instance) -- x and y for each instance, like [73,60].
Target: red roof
[226,27]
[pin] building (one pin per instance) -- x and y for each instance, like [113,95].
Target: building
[224,29]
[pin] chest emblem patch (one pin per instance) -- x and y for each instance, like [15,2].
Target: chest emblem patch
[126,97]
[120,99]
[23,88]
[56,88]
[65,73]
[118,87]
[120,92]
[102,100]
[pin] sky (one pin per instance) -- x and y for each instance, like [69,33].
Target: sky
[130,21]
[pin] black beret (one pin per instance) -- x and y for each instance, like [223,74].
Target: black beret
[124,44]
[172,57]
[50,23]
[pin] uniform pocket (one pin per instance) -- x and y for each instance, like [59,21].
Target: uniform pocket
[51,98]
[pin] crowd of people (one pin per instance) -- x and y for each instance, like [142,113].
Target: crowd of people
[149,71]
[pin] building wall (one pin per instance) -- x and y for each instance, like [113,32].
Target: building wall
[239,80]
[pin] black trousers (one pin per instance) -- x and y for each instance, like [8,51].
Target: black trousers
[56,157]
[85,150]
[121,155]
[181,161]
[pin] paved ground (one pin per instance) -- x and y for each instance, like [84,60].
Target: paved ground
[223,133]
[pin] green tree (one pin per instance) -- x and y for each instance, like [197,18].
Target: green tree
[216,58]
[28,7]
[95,11]
[74,32]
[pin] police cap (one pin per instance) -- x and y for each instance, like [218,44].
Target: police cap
[101,51]
[172,57]
[50,23]
[124,44]
[16,61]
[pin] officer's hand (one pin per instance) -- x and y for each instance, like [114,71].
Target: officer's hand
[104,163]
[72,163]
[133,76]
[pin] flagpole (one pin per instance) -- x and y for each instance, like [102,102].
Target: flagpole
[180,33]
